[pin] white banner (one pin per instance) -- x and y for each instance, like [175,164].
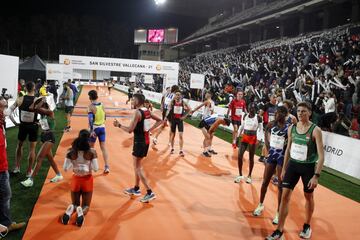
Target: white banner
[132,79]
[342,154]
[9,69]
[197,81]
[148,79]
[58,72]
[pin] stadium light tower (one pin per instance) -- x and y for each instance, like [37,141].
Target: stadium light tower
[159,2]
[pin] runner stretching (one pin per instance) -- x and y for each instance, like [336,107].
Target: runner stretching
[304,158]
[97,117]
[237,107]
[251,123]
[275,142]
[140,125]
[83,159]
[176,114]
[208,127]
[208,105]
[47,123]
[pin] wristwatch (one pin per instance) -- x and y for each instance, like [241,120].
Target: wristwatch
[317,175]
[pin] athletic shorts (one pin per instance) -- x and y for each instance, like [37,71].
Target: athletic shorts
[100,133]
[275,159]
[295,171]
[69,109]
[249,139]
[82,184]
[140,149]
[164,115]
[47,136]
[236,122]
[179,123]
[203,124]
[30,130]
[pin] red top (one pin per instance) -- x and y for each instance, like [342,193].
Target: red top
[3,156]
[237,107]
[178,109]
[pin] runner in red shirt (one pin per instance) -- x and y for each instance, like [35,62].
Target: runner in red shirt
[237,108]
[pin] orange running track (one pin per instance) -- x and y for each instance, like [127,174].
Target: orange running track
[196,196]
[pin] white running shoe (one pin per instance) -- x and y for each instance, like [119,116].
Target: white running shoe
[29,173]
[238,179]
[107,169]
[80,217]
[28,183]
[258,211]
[248,180]
[66,217]
[276,219]
[154,141]
[306,232]
[16,170]
[57,178]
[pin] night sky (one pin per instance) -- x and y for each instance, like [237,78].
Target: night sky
[103,28]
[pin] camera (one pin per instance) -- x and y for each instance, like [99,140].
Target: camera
[4,94]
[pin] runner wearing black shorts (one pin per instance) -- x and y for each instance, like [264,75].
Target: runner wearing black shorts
[304,158]
[141,126]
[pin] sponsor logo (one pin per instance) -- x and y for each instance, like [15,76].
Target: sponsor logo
[333,150]
[158,67]
[67,61]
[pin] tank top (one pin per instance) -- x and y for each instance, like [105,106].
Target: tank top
[81,166]
[178,109]
[26,116]
[303,148]
[47,123]
[271,112]
[100,114]
[278,139]
[208,109]
[251,124]
[70,102]
[141,131]
[167,99]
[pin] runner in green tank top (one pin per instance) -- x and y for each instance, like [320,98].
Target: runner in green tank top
[47,123]
[304,158]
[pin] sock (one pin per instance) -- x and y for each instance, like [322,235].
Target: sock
[148,191]
[59,174]
[136,188]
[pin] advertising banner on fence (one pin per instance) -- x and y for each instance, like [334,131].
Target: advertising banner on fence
[148,79]
[342,153]
[58,72]
[197,81]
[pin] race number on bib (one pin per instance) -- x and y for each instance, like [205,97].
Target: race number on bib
[178,109]
[27,117]
[271,118]
[277,142]
[44,124]
[238,112]
[147,125]
[298,152]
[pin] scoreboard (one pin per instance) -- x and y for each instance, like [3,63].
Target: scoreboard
[156,36]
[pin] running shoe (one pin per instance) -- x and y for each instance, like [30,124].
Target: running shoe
[80,217]
[275,235]
[172,151]
[261,159]
[258,211]
[248,180]
[306,232]
[29,174]
[213,152]
[16,170]
[107,169]
[238,179]
[154,141]
[276,219]
[57,178]
[148,197]
[28,182]
[67,215]
[67,129]
[275,180]
[132,192]
[234,146]
[206,154]
[181,153]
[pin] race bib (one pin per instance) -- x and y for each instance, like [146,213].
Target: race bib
[44,124]
[27,117]
[250,124]
[178,109]
[271,118]
[298,152]
[147,125]
[238,112]
[277,142]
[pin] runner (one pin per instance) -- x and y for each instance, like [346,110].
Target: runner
[140,125]
[176,114]
[208,105]
[130,94]
[148,105]
[165,101]
[275,142]
[69,105]
[291,119]
[304,149]
[83,159]
[28,127]
[237,107]
[47,123]
[251,123]
[110,85]
[208,127]
[97,117]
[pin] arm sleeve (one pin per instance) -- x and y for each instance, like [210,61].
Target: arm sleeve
[94,164]
[67,164]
